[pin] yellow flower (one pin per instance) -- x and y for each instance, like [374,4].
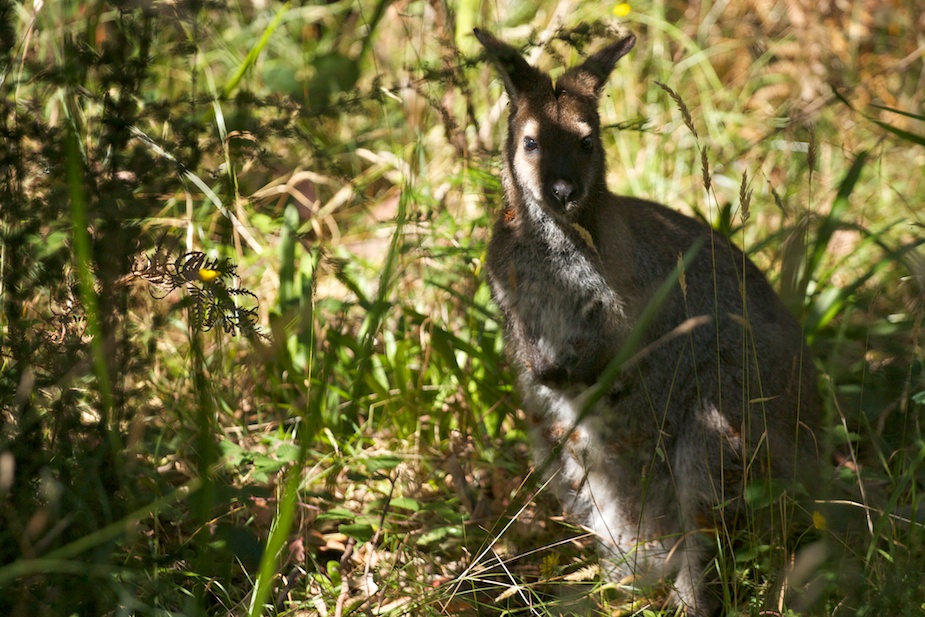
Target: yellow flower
[622,9]
[819,521]
[207,276]
[549,565]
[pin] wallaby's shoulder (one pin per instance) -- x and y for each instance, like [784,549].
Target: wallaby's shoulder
[645,220]
[640,233]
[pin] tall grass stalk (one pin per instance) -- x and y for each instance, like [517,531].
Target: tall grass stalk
[84,265]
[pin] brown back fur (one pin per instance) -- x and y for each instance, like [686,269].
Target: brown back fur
[721,391]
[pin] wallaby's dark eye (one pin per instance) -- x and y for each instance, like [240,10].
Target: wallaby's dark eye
[530,144]
[587,144]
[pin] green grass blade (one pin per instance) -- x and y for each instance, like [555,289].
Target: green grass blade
[908,136]
[381,306]
[901,112]
[62,558]
[255,51]
[829,303]
[83,255]
[287,265]
[279,532]
[832,221]
[631,346]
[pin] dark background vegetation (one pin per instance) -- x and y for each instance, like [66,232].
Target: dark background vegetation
[248,362]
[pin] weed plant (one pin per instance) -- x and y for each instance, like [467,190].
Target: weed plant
[248,360]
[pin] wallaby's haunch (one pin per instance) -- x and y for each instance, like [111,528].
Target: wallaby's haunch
[717,394]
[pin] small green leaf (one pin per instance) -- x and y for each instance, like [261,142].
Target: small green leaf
[287,453]
[232,452]
[382,462]
[342,514]
[356,476]
[333,569]
[438,534]
[405,503]
[359,531]
[842,435]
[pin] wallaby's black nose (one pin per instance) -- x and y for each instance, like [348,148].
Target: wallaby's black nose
[563,190]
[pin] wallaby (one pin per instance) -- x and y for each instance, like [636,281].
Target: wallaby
[718,392]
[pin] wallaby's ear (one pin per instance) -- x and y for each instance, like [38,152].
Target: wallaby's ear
[519,77]
[589,77]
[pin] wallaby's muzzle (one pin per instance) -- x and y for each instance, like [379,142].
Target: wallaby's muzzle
[563,192]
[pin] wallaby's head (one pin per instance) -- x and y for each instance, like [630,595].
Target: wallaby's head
[555,158]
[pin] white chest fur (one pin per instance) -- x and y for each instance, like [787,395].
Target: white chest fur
[569,448]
